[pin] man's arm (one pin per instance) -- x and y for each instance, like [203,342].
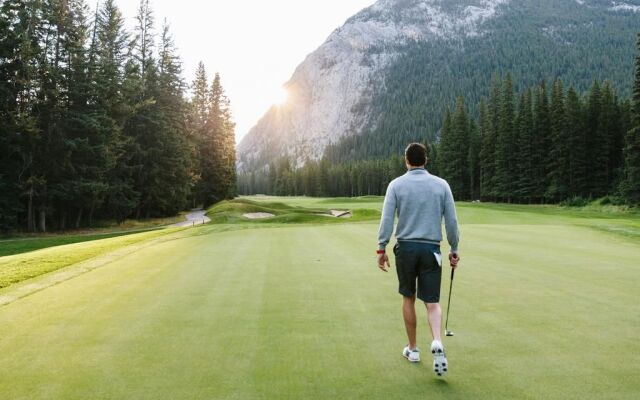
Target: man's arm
[386,227]
[451,221]
[388,216]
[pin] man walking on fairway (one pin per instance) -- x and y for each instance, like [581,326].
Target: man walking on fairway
[421,201]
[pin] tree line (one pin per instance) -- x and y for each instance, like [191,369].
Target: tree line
[541,148]
[95,122]
[323,178]
[544,145]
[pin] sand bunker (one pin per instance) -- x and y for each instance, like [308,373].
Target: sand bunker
[258,215]
[340,214]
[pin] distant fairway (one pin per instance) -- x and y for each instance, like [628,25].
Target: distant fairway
[545,306]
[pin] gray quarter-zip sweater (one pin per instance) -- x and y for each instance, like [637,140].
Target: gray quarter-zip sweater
[421,200]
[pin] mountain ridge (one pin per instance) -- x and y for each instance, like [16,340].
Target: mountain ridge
[335,92]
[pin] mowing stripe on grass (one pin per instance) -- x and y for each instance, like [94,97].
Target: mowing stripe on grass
[301,311]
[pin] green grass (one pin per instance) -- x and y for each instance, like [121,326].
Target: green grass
[292,211]
[22,243]
[19,267]
[545,306]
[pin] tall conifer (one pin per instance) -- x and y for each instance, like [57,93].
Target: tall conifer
[558,187]
[631,183]
[506,143]
[525,167]
[541,146]
[575,147]
[595,148]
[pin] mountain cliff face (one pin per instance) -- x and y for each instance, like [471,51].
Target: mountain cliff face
[336,93]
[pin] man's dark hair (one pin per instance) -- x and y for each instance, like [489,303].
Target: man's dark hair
[416,154]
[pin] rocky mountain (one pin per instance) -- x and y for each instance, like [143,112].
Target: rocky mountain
[398,63]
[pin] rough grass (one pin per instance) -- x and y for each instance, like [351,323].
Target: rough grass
[24,245]
[25,242]
[544,307]
[20,267]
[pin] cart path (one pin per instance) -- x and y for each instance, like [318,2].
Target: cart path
[195,217]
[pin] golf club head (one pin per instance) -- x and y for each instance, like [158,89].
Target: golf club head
[448,333]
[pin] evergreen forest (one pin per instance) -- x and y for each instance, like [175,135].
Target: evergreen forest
[96,121]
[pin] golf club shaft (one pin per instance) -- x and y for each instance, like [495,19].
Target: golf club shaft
[446,324]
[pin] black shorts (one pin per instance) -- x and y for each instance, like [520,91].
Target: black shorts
[417,261]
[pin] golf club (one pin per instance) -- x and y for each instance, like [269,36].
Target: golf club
[447,332]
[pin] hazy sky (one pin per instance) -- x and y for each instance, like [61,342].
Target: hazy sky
[254,44]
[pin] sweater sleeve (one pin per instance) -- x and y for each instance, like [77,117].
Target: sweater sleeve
[451,220]
[388,216]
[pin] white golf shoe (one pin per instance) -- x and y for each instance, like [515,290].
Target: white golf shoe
[440,364]
[411,355]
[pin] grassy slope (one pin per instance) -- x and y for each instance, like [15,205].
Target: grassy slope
[19,267]
[10,245]
[300,311]
[25,245]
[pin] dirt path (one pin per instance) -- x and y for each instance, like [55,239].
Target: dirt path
[195,217]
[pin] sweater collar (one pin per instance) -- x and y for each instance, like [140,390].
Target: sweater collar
[418,170]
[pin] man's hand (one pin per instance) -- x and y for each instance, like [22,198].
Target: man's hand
[383,262]
[454,259]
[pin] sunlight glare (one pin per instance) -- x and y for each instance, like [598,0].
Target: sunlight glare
[280,96]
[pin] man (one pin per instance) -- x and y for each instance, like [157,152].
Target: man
[421,201]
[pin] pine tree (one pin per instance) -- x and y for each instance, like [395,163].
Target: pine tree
[86,135]
[596,147]
[200,100]
[114,103]
[558,188]
[63,160]
[541,143]
[525,167]
[144,125]
[17,124]
[506,143]
[609,156]
[217,148]
[433,162]
[630,186]
[229,146]
[197,121]
[210,149]
[489,130]
[575,145]
[175,161]
[446,147]
[475,142]
[144,40]
[454,150]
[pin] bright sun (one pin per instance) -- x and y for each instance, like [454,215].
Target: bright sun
[280,96]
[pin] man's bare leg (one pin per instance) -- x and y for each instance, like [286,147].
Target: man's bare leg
[434,312]
[409,314]
[440,363]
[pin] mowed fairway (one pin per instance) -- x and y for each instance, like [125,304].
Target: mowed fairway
[545,306]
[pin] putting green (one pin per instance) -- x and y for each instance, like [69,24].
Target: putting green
[545,306]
